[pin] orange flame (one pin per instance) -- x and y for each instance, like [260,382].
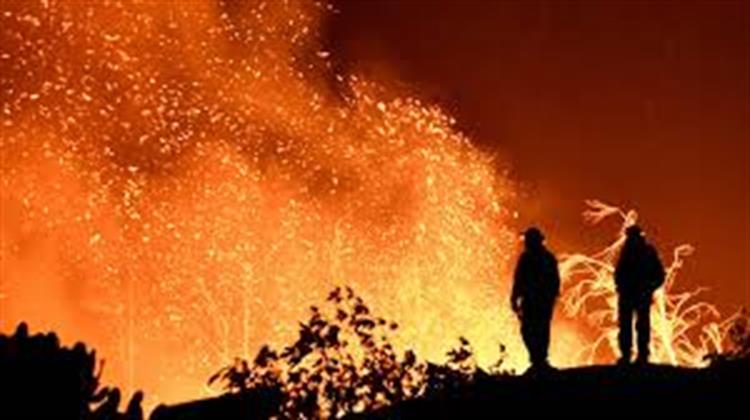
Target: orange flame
[180,181]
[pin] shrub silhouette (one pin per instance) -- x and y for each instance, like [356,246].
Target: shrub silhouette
[343,362]
[41,379]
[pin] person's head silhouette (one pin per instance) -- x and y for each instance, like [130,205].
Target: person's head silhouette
[634,234]
[533,238]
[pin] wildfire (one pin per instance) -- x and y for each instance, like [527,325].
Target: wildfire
[181,180]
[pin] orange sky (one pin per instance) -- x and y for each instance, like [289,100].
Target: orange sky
[644,105]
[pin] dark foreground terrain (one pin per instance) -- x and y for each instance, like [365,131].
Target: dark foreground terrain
[721,391]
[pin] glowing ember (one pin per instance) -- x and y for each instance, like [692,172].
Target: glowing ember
[180,182]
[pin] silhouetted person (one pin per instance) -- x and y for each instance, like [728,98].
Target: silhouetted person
[638,274]
[536,285]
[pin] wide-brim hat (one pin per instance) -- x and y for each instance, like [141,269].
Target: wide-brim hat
[533,234]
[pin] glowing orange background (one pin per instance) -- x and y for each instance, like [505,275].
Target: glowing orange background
[641,103]
[181,180]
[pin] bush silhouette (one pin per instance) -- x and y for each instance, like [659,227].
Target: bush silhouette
[344,362]
[41,379]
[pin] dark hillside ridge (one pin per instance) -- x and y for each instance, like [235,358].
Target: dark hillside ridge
[720,391]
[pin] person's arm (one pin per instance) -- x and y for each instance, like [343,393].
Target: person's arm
[517,292]
[620,270]
[659,273]
[555,287]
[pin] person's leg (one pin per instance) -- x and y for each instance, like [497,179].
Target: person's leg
[625,319]
[534,340]
[544,336]
[527,335]
[643,328]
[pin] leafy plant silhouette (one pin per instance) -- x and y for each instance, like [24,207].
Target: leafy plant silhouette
[42,379]
[343,362]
